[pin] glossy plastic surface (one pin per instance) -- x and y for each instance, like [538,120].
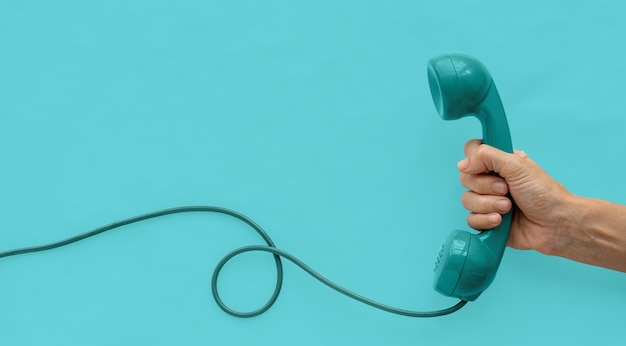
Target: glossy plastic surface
[461,86]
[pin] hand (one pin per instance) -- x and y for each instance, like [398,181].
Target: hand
[538,198]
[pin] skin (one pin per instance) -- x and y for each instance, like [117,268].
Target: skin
[548,218]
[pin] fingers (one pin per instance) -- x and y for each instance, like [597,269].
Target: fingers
[483,158]
[484,221]
[471,146]
[485,204]
[485,209]
[486,199]
[485,184]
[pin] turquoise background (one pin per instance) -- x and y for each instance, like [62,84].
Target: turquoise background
[315,119]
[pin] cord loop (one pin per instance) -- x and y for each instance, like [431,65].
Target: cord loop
[270,247]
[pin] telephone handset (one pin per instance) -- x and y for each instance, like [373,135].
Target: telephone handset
[461,86]
[467,263]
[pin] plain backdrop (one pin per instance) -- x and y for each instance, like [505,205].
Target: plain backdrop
[315,119]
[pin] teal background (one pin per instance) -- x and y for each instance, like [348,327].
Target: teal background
[315,119]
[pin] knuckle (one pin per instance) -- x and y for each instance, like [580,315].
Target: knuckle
[514,164]
[486,204]
[465,180]
[470,220]
[476,203]
[465,200]
[471,145]
[482,150]
[473,220]
[478,183]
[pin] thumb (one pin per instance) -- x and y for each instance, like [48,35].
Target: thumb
[484,158]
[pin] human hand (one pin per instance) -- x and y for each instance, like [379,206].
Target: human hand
[538,197]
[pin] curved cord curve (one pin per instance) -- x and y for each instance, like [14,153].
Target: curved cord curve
[270,247]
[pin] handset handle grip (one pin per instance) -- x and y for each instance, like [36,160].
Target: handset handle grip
[496,133]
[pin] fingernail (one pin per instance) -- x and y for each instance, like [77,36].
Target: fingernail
[502,205]
[463,164]
[500,187]
[493,218]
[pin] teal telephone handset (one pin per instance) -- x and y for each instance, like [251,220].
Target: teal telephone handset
[467,263]
[460,86]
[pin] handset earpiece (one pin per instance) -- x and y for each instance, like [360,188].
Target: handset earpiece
[461,86]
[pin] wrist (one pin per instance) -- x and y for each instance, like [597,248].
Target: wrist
[567,216]
[591,231]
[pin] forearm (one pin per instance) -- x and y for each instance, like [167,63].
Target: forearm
[595,233]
